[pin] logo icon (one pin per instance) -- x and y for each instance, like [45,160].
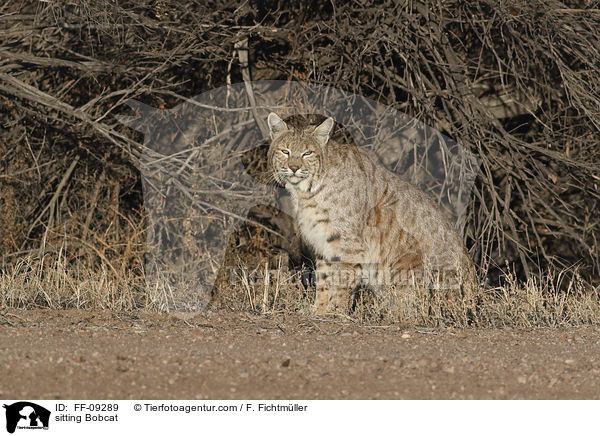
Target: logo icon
[26,415]
[204,167]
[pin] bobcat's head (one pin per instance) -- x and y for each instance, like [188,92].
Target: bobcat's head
[296,155]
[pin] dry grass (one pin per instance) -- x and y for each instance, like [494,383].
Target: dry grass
[556,299]
[34,282]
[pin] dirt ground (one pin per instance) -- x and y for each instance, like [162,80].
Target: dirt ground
[46,354]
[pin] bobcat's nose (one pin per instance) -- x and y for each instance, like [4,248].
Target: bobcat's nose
[294,168]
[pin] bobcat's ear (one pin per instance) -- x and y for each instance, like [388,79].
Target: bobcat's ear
[276,125]
[323,130]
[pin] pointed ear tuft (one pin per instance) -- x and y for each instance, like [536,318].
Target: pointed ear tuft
[276,125]
[323,130]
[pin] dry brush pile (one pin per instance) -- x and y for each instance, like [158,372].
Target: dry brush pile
[517,84]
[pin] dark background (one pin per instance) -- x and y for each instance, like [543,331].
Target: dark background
[516,83]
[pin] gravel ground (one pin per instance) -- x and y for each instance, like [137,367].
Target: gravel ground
[48,354]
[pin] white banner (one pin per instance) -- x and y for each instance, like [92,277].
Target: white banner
[160,417]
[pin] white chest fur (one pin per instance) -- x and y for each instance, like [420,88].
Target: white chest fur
[316,228]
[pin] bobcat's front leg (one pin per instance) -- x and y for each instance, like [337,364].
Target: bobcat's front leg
[335,283]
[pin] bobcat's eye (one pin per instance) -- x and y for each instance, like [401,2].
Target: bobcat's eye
[307,153]
[285,152]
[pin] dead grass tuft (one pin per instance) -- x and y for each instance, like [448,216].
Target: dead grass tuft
[52,283]
[556,299]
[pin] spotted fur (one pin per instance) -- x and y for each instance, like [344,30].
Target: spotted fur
[365,223]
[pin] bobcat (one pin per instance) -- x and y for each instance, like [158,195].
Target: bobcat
[366,225]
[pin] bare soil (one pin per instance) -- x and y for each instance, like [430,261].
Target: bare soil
[47,354]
